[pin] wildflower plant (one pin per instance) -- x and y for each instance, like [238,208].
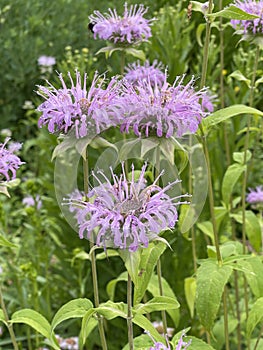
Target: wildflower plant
[249,26]
[255,196]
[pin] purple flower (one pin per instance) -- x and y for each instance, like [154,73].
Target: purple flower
[182,345]
[125,214]
[128,29]
[79,108]
[255,196]
[46,61]
[136,72]
[9,162]
[163,110]
[250,26]
[159,346]
[29,201]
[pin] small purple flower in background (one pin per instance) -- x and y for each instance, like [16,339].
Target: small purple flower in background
[14,146]
[255,196]
[125,214]
[29,201]
[79,108]
[163,110]
[46,61]
[128,29]
[9,162]
[250,26]
[135,72]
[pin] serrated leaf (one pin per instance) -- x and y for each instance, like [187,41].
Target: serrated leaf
[190,292]
[253,229]
[4,242]
[157,304]
[33,319]
[224,114]
[148,260]
[255,316]
[73,309]
[232,12]
[211,280]
[231,177]
[253,268]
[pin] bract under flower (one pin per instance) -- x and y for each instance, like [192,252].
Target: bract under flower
[163,110]
[125,214]
[250,26]
[80,108]
[9,162]
[130,28]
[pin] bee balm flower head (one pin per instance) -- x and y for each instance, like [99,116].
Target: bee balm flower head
[251,26]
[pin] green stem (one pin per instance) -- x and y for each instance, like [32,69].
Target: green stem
[258,338]
[129,312]
[122,62]
[159,265]
[8,324]
[93,261]
[225,319]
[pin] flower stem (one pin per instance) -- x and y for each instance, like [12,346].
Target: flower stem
[8,324]
[93,259]
[129,312]
[159,265]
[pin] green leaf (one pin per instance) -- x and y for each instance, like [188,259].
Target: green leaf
[85,325]
[240,77]
[146,325]
[2,316]
[67,143]
[33,319]
[201,27]
[255,316]
[253,229]
[190,292]
[239,157]
[112,284]
[157,304]
[253,268]
[92,324]
[232,12]
[219,333]
[105,255]
[4,242]
[4,190]
[207,228]
[147,145]
[231,177]
[73,309]
[142,342]
[153,288]
[132,262]
[197,344]
[136,53]
[125,150]
[224,114]
[99,142]
[148,260]
[211,280]
[112,310]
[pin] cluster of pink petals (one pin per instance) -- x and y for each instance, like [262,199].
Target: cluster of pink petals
[79,108]
[251,26]
[125,214]
[9,162]
[135,72]
[165,110]
[255,196]
[128,29]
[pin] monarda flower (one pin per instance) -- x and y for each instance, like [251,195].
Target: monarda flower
[250,26]
[125,214]
[128,29]
[78,107]
[165,110]
[135,72]
[9,163]
[255,196]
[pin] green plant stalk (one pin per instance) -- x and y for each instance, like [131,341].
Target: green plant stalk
[159,264]
[93,261]
[226,318]
[129,312]
[258,338]
[9,325]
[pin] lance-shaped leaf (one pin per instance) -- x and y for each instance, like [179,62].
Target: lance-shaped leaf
[146,325]
[232,12]
[73,309]
[231,177]
[255,316]
[157,304]
[4,242]
[112,284]
[211,280]
[226,113]
[112,310]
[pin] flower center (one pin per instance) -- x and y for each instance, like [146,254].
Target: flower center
[130,205]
